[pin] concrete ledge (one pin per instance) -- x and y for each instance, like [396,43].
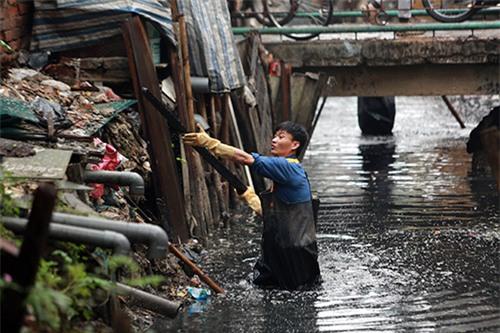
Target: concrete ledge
[387,52]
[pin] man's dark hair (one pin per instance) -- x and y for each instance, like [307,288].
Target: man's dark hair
[297,131]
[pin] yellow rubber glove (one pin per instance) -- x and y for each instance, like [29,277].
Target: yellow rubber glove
[252,200]
[202,139]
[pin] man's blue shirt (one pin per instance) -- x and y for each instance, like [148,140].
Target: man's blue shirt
[290,180]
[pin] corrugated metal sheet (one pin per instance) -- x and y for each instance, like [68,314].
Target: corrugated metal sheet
[67,24]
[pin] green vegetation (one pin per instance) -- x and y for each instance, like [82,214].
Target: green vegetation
[66,291]
[72,280]
[8,205]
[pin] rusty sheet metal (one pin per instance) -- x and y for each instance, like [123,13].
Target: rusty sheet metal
[45,164]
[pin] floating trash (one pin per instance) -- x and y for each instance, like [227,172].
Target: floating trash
[199,294]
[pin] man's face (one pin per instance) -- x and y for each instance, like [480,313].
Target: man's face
[283,144]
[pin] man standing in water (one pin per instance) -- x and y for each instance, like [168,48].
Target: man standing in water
[289,251]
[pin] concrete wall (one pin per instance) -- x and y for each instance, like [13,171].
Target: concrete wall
[16,18]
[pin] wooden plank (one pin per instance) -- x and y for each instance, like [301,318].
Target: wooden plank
[180,99]
[162,158]
[286,75]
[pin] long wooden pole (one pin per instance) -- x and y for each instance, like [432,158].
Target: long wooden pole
[238,136]
[183,43]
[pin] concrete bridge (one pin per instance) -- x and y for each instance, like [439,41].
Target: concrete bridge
[407,64]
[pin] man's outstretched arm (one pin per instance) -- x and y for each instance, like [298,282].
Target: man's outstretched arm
[202,139]
[219,149]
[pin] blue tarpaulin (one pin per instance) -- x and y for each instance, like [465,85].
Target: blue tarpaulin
[68,24]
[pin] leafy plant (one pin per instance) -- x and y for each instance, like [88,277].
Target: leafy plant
[128,265]
[8,206]
[62,293]
[65,291]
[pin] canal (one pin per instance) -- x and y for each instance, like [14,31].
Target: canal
[408,236]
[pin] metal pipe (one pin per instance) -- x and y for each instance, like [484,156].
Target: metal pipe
[108,239]
[131,179]
[393,12]
[150,301]
[153,235]
[200,84]
[358,13]
[341,28]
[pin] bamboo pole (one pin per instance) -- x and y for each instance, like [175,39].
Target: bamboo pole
[238,136]
[183,43]
[199,191]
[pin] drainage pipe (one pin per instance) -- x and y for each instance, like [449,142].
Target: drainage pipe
[150,301]
[152,235]
[131,179]
[108,239]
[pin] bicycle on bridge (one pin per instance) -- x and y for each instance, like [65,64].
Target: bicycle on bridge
[321,12]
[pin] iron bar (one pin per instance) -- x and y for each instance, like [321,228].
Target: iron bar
[453,111]
[358,13]
[346,28]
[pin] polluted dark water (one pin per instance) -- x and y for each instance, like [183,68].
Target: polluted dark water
[408,236]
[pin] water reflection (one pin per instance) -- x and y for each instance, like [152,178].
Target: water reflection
[376,163]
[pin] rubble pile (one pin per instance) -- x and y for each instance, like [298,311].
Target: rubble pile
[55,128]
[78,110]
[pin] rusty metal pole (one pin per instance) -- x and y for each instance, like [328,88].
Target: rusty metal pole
[453,111]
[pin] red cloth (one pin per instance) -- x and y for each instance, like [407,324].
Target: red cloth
[111,160]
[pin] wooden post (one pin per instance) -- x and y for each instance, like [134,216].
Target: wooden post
[178,79]
[286,76]
[183,43]
[165,176]
[200,204]
[34,244]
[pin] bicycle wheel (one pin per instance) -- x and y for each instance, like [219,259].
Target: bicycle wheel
[272,12]
[310,13]
[450,10]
